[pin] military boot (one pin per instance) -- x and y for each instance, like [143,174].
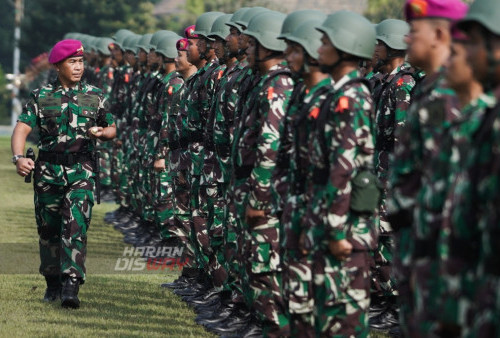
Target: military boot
[69,294]
[53,291]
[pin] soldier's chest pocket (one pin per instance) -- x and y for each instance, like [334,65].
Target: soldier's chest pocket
[50,120]
[86,115]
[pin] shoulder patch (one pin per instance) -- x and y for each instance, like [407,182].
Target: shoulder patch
[170,90]
[342,104]
[221,72]
[314,113]
[270,92]
[400,82]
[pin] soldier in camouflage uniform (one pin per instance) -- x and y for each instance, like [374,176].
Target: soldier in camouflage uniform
[311,87]
[420,169]
[163,181]
[70,115]
[339,228]
[477,194]
[459,242]
[391,100]
[256,145]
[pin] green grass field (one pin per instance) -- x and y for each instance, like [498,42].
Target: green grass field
[113,304]
[125,305]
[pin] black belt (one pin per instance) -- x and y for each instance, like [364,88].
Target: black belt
[243,171]
[195,137]
[425,248]
[466,249]
[223,150]
[66,159]
[320,176]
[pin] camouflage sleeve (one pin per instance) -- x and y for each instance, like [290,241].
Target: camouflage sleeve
[104,116]
[351,146]
[274,102]
[29,114]
[170,90]
[402,99]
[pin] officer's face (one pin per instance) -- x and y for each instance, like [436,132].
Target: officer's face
[219,45]
[70,70]
[421,40]
[181,61]
[295,57]
[458,72]
[232,40]
[193,54]
[327,53]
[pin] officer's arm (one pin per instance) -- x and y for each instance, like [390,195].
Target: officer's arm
[18,140]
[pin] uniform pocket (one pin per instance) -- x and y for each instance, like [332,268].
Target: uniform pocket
[50,120]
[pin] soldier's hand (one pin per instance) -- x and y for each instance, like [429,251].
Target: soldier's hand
[24,166]
[252,216]
[95,132]
[340,249]
[159,165]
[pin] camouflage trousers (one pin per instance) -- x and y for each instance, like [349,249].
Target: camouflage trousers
[182,215]
[401,271]
[116,172]
[486,320]
[230,246]
[342,294]
[163,196]
[105,163]
[383,281]
[63,214]
[146,191]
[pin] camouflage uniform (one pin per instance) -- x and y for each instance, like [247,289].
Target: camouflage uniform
[419,186]
[460,236]
[164,202]
[297,268]
[392,101]
[64,192]
[340,145]
[257,145]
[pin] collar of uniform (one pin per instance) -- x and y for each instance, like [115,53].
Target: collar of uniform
[323,83]
[349,76]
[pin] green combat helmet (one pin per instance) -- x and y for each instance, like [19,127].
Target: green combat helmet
[350,33]
[70,35]
[392,33]
[157,36]
[130,43]
[237,16]
[307,36]
[144,42]
[219,28]
[120,37]
[265,28]
[484,12]
[248,15]
[102,45]
[167,46]
[204,23]
[295,19]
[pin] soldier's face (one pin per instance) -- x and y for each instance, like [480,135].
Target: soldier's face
[181,61]
[477,53]
[130,58]
[142,57]
[288,48]
[117,54]
[250,51]
[70,71]
[154,58]
[219,46]
[193,54]
[327,53]
[380,52]
[243,41]
[421,40]
[458,72]
[202,45]
[232,40]
[295,57]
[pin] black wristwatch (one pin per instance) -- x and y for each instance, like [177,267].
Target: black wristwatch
[16,157]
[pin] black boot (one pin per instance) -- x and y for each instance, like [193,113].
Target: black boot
[53,291]
[69,294]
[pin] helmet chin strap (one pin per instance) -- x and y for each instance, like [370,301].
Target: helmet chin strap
[328,69]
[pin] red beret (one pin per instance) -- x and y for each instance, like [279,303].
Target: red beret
[182,44]
[65,49]
[189,33]
[446,9]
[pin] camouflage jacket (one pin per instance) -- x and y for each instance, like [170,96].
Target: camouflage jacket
[105,79]
[263,114]
[460,237]
[172,84]
[419,177]
[64,116]
[341,144]
[119,93]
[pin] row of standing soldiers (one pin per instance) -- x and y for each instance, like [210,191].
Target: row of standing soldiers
[309,163]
